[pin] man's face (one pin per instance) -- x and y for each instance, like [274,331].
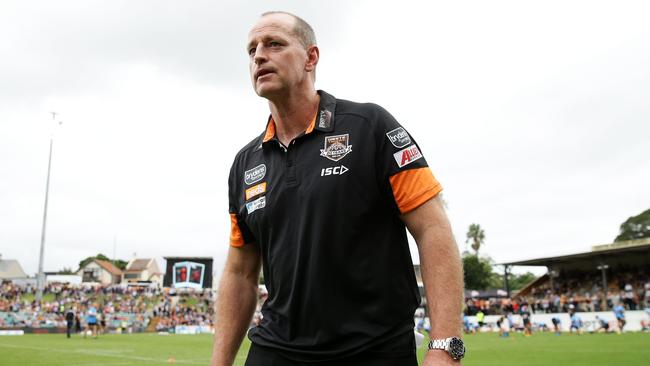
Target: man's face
[277,59]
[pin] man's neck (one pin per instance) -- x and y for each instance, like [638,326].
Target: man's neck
[293,113]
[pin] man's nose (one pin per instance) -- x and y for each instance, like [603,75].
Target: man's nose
[260,54]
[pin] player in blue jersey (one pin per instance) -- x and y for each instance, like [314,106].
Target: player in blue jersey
[619,313]
[576,323]
[91,319]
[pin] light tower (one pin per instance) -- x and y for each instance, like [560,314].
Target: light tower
[40,279]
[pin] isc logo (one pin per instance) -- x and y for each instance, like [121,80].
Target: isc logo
[335,170]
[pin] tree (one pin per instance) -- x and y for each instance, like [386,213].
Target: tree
[515,281]
[519,281]
[121,264]
[65,271]
[476,235]
[477,272]
[636,227]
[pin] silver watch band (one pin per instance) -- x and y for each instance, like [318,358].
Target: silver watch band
[442,344]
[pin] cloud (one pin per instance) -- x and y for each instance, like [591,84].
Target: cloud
[533,117]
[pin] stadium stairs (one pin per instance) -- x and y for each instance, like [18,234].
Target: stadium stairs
[152,324]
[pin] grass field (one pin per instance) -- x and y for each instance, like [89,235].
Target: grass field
[483,349]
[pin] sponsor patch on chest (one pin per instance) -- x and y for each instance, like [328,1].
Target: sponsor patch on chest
[255,190]
[336,147]
[253,206]
[255,175]
[334,170]
[399,137]
[407,156]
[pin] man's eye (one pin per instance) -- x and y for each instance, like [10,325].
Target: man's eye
[274,44]
[251,51]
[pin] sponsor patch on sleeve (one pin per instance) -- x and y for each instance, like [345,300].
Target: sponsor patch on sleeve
[407,156]
[256,205]
[399,137]
[255,190]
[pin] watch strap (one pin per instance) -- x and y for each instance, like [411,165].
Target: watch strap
[442,344]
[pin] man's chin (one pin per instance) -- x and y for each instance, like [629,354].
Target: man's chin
[266,91]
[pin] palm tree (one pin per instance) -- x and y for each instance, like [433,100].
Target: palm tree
[476,235]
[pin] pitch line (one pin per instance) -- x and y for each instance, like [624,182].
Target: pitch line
[104,354]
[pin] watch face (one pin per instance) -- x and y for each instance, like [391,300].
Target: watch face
[456,348]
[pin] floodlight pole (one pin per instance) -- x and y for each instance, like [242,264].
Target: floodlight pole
[551,275]
[506,272]
[603,269]
[40,279]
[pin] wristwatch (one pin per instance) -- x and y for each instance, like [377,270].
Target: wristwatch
[454,346]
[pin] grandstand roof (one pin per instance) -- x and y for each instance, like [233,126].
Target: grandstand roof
[629,252]
[138,265]
[11,269]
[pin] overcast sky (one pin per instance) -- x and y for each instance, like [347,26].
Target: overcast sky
[535,117]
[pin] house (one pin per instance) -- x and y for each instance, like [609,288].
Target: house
[100,271]
[142,270]
[10,269]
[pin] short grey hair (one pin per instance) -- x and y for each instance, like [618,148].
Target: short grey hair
[302,30]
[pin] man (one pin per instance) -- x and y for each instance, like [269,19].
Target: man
[645,323]
[505,325]
[557,323]
[576,323]
[619,313]
[603,325]
[525,316]
[91,319]
[480,318]
[69,320]
[322,199]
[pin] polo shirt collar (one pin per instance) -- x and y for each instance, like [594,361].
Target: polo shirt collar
[323,121]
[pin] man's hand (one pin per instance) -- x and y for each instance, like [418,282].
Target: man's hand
[236,301]
[438,357]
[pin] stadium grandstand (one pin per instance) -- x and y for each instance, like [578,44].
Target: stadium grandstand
[123,309]
[596,280]
[597,284]
[129,301]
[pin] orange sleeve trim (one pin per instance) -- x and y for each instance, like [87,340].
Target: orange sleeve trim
[236,237]
[413,187]
[270,131]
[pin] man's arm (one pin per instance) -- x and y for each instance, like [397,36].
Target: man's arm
[442,273]
[236,301]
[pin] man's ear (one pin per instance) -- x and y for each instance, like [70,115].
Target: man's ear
[313,54]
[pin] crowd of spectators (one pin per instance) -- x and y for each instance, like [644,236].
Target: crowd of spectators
[571,293]
[120,308]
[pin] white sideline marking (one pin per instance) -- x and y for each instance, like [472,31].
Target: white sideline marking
[101,353]
[107,363]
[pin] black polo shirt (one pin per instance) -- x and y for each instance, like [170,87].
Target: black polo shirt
[324,212]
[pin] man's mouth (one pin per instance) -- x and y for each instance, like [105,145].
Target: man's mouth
[262,72]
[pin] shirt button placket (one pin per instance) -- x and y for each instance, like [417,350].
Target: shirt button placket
[291,166]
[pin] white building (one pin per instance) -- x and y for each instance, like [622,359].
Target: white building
[142,270]
[100,271]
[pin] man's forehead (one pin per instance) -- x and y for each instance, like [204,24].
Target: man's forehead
[272,23]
